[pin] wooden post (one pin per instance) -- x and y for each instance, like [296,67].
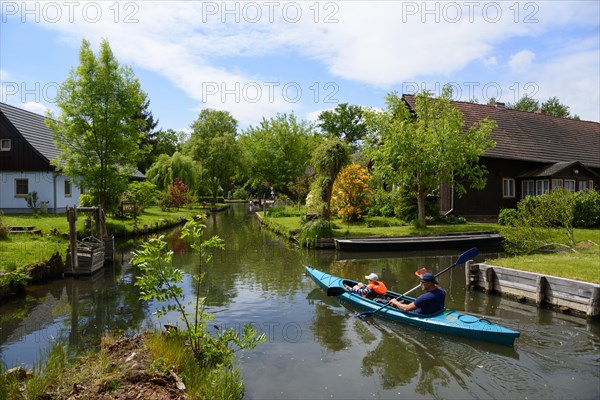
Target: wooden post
[468,274]
[490,274]
[540,294]
[72,218]
[593,308]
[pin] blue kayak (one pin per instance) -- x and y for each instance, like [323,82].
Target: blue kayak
[445,321]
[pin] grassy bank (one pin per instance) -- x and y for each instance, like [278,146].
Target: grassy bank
[20,250]
[150,366]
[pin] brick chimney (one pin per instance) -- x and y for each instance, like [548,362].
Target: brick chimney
[540,111]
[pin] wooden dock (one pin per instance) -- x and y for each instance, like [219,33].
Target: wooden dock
[90,257]
[561,293]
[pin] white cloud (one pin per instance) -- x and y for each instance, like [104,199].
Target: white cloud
[213,51]
[4,75]
[491,62]
[32,106]
[521,61]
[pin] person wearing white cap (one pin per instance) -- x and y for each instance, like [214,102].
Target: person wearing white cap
[371,290]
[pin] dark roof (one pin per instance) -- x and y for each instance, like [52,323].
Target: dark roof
[33,129]
[550,170]
[532,136]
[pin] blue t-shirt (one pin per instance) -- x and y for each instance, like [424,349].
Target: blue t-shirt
[430,302]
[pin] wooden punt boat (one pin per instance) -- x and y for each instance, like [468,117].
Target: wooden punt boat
[445,321]
[404,243]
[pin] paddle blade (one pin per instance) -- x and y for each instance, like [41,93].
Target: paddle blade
[335,291]
[467,255]
[365,314]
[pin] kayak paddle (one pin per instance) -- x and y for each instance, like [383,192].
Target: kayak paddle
[336,291]
[463,258]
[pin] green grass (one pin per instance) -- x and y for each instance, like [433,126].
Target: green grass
[201,383]
[377,226]
[152,217]
[103,369]
[44,222]
[21,250]
[582,266]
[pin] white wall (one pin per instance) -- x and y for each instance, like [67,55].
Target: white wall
[49,187]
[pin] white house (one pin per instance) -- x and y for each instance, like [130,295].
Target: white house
[26,149]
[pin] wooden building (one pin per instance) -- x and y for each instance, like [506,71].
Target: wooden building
[534,153]
[26,149]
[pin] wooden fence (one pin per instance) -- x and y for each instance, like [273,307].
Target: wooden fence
[562,293]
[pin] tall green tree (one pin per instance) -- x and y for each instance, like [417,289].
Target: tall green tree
[554,107]
[97,131]
[213,144]
[526,103]
[148,133]
[277,152]
[344,122]
[328,159]
[419,152]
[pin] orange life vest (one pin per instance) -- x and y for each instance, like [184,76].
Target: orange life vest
[377,287]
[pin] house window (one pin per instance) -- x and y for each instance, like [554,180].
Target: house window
[591,184]
[5,145]
[542,186]
[583,185]
[528,188]
[557,184]
[508,187]
[21,187]
[570,185]
[67,188]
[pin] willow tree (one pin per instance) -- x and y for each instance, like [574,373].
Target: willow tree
[419,151]
[166,168]
[96,131]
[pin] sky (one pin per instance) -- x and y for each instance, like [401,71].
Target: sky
[256,59]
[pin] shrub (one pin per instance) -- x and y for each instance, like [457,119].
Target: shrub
[4,231]
[178,193]
[86,200]
[32,200]
[383,204]
[587,209]
[351,193]
[161,282]
[284,211]
[314,229]
[240,194]
[542,223]
[144,194]
[507,216]
[453,220]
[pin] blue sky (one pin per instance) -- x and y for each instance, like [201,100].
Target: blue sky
[259,58]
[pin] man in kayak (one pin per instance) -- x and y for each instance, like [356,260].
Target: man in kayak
[370,290]
[427,303]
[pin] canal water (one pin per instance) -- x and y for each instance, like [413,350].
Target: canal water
[316,348]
